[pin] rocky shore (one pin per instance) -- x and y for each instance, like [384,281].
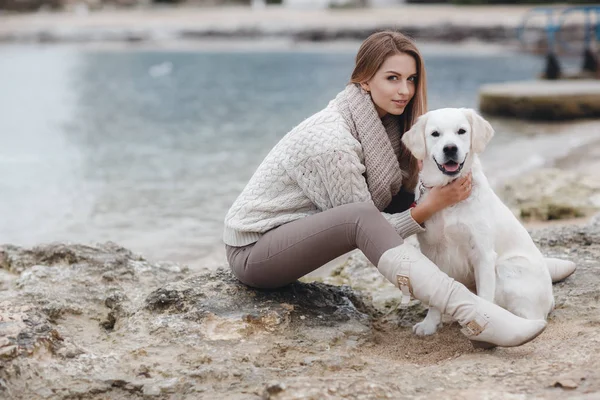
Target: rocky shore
[100,322]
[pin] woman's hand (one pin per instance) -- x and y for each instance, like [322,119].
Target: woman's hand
[441,197]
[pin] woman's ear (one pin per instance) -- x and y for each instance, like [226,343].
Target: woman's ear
[365,86]
[481,130]
[414,138]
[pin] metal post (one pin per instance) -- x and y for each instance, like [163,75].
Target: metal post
[590,62]
[552,70]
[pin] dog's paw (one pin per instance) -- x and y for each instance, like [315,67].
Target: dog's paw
[425,328]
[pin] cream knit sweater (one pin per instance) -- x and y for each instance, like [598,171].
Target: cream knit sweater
[317,166]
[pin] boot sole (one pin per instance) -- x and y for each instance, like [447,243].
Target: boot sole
[563,277]
[488,346]
[483,345]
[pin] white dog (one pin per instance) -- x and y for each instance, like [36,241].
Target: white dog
[478,242]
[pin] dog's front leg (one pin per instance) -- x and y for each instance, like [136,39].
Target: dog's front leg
[484,265]
[430,324]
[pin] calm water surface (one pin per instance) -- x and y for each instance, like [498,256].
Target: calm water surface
[149,148]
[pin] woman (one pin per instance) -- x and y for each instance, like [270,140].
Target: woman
[333,184]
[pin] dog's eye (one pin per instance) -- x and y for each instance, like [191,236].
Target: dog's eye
[435,134]
[461,131]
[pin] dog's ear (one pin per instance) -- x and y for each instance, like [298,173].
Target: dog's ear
[414,138]
[481,130]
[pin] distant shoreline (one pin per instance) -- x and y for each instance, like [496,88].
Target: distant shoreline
[263,45]
[450,35]
[426,23]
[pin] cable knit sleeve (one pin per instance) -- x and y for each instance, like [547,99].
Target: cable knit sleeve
[404,223]
[335,177]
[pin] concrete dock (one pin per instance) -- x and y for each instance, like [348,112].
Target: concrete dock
[542,100]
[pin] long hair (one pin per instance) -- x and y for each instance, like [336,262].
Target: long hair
[371,55]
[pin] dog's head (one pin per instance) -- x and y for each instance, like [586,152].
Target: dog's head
[446,140]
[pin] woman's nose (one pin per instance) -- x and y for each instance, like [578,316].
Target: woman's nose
[403,88]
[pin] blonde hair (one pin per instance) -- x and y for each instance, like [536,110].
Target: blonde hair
[371,55]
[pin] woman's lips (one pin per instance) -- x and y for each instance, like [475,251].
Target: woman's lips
[401,103]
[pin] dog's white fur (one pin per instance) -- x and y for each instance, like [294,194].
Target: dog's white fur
[478,242]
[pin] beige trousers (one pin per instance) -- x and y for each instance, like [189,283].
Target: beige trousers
[291,251]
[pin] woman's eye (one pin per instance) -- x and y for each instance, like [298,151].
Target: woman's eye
[412,79]
[435,134]
[392,78]
[461,131]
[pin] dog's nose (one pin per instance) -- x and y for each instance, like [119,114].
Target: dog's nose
[450,150]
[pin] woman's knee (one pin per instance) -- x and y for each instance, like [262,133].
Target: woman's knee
[366,216]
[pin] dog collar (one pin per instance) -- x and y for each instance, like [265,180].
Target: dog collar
[423,188]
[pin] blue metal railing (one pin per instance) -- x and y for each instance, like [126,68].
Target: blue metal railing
[555,19]
[589,12]
[551,27]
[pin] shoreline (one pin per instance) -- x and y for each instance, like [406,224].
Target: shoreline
[266,45]
[445,23]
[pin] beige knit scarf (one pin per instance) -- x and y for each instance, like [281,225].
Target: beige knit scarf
[380,140]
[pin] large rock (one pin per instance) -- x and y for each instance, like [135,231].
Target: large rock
[105,310]
[101,322]
[551,194]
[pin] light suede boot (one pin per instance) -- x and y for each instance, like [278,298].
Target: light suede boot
[559,269]
[483,322]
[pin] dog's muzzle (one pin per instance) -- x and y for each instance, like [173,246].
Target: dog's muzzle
[450,167]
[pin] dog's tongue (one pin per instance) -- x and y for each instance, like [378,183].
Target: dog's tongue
[451,167]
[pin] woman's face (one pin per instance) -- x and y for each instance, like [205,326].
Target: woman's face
[393,85]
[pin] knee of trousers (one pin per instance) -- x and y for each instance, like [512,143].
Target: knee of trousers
[364,213]
[362,210]
[358,215]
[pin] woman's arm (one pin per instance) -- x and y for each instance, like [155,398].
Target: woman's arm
[404,224]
